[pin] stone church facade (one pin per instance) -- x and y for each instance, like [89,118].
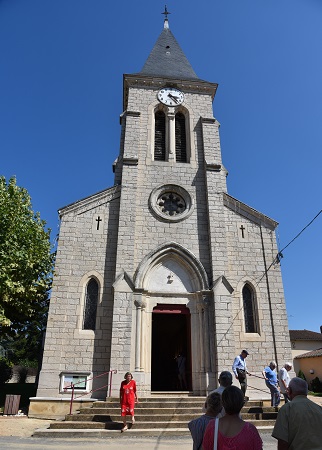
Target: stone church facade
[165,262]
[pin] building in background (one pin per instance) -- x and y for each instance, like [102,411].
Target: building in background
[307,353]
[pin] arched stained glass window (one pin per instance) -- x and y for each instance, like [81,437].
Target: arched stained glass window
[91,300]
[181,141]
[250,311]
[159,136]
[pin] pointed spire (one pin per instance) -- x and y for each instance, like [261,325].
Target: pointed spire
[167,58]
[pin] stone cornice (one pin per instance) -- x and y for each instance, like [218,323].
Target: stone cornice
[142,81]
[248,212]
[91,202]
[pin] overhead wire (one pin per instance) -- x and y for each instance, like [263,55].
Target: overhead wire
[301,232]
[280,255]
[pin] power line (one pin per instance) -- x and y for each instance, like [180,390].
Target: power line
[300,232]
[279,255]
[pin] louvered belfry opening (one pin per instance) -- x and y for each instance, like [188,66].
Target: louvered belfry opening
[181,143]
[159,136]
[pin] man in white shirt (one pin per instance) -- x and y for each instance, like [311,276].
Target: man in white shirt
[284,380]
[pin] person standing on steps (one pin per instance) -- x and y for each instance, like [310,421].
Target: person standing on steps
[240,370]
[284,380]
[271,382]
[128,398]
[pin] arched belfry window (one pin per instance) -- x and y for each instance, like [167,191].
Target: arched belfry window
[181,141]
[91,300]
[250,310]
[159,136]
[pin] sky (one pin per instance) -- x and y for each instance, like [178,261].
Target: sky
[61,74]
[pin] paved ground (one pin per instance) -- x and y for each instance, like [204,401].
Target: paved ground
[16,433]
[121,443]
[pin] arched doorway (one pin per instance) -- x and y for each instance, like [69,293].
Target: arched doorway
[171,348]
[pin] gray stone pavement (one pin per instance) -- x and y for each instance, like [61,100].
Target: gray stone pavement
[120,443]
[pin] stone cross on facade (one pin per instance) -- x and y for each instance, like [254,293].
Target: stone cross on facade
[98,220]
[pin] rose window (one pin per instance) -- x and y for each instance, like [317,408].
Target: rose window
[171,204]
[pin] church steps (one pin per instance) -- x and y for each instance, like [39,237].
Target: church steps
[154,417]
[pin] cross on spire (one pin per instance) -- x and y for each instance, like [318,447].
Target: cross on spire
[165,12]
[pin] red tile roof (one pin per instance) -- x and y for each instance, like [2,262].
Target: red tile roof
[312,354]
[305,335]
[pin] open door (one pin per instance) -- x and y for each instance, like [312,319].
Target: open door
[171,348]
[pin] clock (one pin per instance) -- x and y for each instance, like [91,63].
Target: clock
[170,96]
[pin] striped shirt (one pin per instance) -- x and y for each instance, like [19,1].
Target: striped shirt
[197,429]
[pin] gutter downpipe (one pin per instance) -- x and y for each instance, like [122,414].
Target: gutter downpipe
[269,297]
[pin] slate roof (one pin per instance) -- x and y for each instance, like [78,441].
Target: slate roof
[305,335]
[168,60]
[312,354]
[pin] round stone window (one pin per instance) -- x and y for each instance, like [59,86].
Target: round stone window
[170,203]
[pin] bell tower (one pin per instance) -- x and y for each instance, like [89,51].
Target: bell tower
[185,247]
[170,172]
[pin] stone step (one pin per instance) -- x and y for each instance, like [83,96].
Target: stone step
[98,409]
[138,425]
[93,433]
[138,417]
[116,425]
[138,411]
[153,403]
[90,433]
[176,401]
[165,418]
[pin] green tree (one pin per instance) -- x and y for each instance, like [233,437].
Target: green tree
[24,348]
[26,261]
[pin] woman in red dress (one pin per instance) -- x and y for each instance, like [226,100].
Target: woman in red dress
[128,398]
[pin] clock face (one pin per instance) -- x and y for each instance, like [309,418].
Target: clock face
[170,96]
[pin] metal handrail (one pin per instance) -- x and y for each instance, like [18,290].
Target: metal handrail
[72,386]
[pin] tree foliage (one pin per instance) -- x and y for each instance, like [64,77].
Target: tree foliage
[5,370]
[26,261]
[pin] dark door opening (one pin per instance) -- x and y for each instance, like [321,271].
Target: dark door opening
[170,338]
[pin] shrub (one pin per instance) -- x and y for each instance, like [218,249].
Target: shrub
[316,385]
[301,375]
[22,374]
[5,370]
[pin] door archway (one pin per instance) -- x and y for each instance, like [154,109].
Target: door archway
[171,348]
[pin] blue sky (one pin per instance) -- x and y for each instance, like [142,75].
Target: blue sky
[61,68]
